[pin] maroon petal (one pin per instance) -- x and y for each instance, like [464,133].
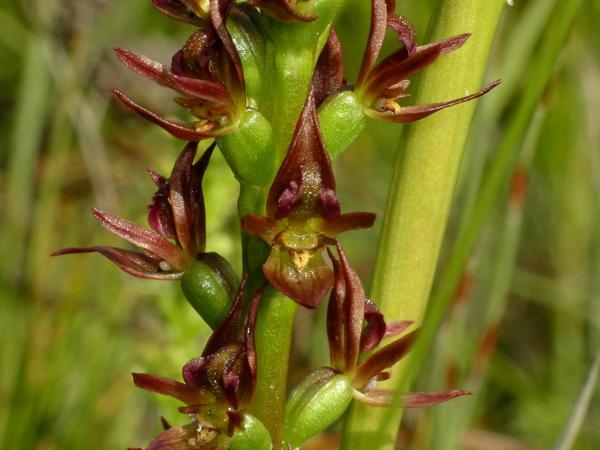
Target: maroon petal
[306,160]
[329,72]
[227,331]
[176,438]
[219,11]
[207,90]
[347,222]
[282,10]
[182,199]
[157,178]
[375,41]
[177,10]
[375,328]
[166,386]
[305,276]
[148,240]
[335,317]
[133,263]
[412,113]
[426,399]
[384,358]
[263,227]
[176,129]
[249,335]
[395,328]
[405,32]
[354,309]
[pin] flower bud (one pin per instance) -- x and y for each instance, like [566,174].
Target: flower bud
[318,401]
[209,286]
[253,437]
[248,150]
[342,119]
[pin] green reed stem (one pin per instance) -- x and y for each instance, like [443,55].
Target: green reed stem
[421,194]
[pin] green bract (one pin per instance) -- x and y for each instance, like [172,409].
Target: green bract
[209,286]
[318,401]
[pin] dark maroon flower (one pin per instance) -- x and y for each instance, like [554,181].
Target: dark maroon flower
[380,86]
[283,10]
[189,11]
[217,386]
[206,72]
[303,216]
[177,219]
[354,327]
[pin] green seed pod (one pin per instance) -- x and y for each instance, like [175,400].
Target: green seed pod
[248,150]
[318,401]
[254,436]
[209,285]
[342,119]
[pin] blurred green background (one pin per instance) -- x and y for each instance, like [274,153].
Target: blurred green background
[522,330]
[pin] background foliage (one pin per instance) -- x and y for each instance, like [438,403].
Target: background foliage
[74,328]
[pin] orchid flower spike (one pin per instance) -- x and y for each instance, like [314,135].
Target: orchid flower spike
[381,86]
[206,72]
[218,386]
[303,216]
[356,327]
[177,219]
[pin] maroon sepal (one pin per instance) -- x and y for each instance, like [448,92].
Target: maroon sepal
[345,314]
[384,397]
[283,10]
[305,176]
[384,358]
[171,388]
[329,71]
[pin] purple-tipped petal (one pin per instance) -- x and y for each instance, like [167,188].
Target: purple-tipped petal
[384,358]
[329,72]
[133,263]
[335,317]
[304,276]
[408,114]
[166,386]
[249,335]
[176,129]
[176,438]
[148,240]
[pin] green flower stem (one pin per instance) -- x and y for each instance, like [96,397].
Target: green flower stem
[273,340]
[421,194]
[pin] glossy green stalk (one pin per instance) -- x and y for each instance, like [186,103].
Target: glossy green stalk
[273,341]
[421,193]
